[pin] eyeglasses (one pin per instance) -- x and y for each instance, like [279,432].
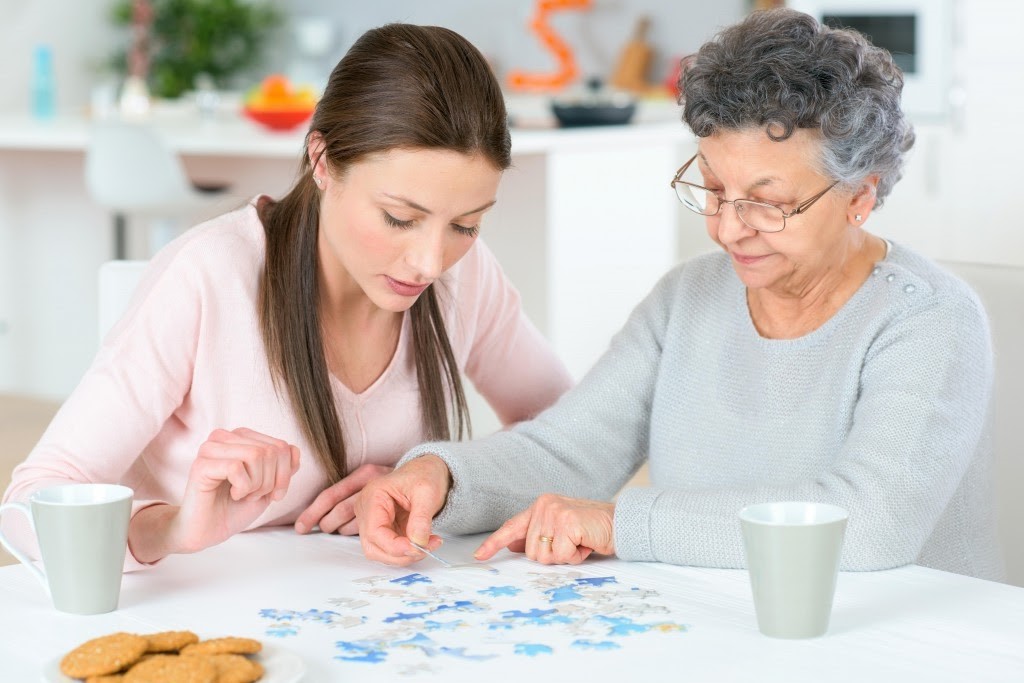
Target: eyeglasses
[757,215]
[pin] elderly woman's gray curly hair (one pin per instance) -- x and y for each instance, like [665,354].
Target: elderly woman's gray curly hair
[781,70]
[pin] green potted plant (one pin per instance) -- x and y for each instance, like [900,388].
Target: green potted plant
[185,38]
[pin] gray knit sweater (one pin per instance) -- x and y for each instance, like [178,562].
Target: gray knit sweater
[883,410]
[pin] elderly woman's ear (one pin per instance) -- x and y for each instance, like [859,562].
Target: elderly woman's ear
[863,201]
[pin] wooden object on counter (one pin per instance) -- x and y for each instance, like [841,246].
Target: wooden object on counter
[630,71]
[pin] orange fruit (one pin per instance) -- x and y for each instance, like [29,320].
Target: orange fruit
[276,94]
[276,88]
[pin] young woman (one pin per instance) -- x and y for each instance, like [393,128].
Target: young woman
[277,358]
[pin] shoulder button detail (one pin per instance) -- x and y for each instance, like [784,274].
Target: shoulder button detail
[890,277]
[910,289]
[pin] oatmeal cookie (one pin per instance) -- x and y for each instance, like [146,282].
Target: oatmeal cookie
[170,641]
[172,669]
[236,669]
[103,655]
[223,646]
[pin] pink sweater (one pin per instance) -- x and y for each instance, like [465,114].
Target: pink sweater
[188,358]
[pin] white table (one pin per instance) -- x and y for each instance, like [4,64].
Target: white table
[907,624]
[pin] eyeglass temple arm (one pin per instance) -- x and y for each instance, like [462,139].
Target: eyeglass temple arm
[682,169]
[806,204]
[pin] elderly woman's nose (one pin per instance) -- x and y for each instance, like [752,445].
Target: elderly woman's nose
[730,227]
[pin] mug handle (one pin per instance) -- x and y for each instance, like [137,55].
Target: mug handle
[22,557]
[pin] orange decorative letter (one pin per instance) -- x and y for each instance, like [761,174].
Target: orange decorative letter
[567,69]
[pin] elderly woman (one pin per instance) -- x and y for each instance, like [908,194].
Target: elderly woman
[807,360]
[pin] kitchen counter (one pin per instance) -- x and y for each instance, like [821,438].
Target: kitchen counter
[223,137]
[232,135]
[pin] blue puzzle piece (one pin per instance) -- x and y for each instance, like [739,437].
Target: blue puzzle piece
[584,644]
[410,579]
[563,593]
[596,580]
[499,591]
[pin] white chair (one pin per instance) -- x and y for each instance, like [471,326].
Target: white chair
[117,283]
[131,171]
[1001,289]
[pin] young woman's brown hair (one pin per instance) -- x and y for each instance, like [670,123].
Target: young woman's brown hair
[399,87]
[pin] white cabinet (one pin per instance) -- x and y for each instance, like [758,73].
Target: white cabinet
[585,226]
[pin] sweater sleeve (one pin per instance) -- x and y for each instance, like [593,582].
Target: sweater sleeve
[924,394]
[138,378]
[509,361]
[587,445]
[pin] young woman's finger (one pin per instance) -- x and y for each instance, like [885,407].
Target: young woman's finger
[338,516]
[324,503]
[283,474]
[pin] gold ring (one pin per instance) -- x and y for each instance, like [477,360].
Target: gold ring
[546,539]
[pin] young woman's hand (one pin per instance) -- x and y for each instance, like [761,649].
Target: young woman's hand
[236,475]
[399,507]
[556,530]
[334,510]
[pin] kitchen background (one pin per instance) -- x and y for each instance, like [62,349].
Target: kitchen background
[957,202]
[84,37]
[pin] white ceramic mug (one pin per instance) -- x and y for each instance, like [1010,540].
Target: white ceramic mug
[793,553]
[82,531]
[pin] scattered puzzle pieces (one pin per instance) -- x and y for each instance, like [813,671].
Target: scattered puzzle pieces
[444,616]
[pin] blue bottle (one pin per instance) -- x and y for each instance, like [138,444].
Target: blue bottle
[44,100]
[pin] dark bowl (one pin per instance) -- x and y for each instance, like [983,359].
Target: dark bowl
[574,115]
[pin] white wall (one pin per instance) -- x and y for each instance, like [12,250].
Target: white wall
[80,35]
[499,27]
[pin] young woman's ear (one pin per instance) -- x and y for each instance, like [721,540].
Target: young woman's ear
[317,160]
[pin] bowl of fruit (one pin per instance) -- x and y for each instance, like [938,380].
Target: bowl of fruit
[278,105]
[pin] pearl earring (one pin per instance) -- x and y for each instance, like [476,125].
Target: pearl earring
[316,179]
[858,218]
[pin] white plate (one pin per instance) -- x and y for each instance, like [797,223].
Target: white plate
[282,666]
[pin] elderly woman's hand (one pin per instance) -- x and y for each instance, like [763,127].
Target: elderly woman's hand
[399,507]
[556,530]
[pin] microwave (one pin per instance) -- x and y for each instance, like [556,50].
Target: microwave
[918,33]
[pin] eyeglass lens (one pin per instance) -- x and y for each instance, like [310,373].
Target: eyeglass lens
[756,215]
[695,199]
